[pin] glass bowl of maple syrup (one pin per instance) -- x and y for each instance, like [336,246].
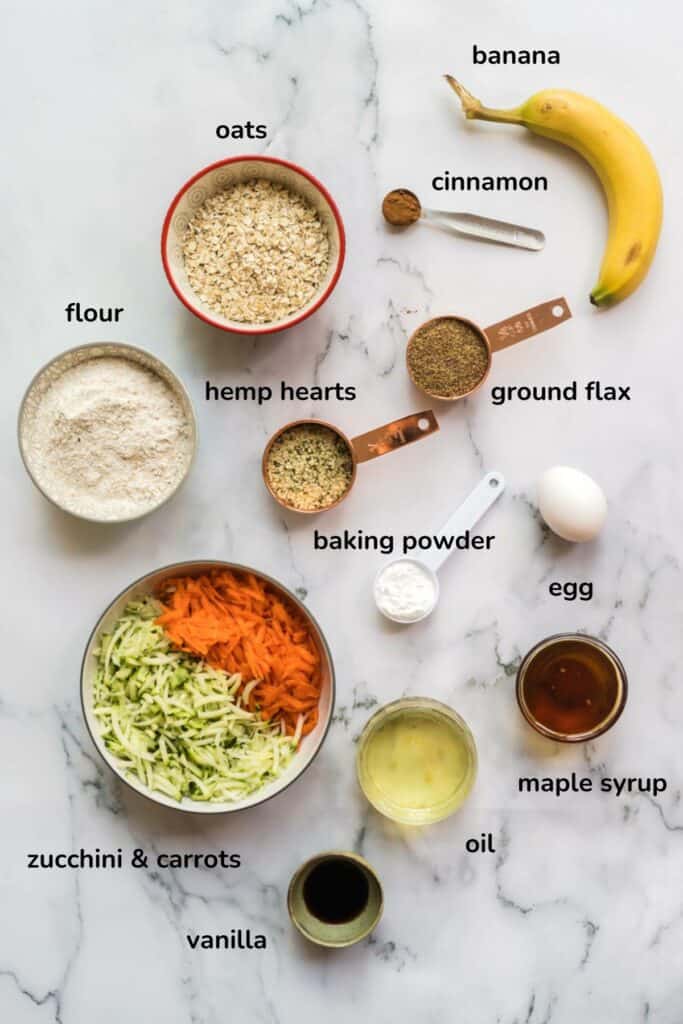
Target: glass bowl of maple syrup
[571,688]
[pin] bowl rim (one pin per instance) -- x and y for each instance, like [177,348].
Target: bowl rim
[252,329]
[148,794]
[120,349]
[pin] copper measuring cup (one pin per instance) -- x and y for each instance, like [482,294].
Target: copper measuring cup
[379,441]
[501,335]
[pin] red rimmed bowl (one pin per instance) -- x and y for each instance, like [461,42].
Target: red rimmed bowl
[219,176]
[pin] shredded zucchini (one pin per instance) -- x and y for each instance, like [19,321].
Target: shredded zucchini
[175,723]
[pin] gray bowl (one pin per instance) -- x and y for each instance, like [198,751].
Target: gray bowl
[48,374]
[310,744]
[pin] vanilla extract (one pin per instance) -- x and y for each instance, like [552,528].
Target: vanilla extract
[336,890]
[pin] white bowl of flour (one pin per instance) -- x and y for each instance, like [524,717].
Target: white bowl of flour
[107,432]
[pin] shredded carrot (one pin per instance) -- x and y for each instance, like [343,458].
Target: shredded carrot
[239,624]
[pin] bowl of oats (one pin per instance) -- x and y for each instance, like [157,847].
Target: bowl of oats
[253,244]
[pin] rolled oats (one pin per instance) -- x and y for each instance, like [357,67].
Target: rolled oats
[256,252]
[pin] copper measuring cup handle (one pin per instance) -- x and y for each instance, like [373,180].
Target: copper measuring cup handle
[393,435]
[525,325]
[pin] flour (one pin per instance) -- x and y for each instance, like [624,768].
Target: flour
[107,438]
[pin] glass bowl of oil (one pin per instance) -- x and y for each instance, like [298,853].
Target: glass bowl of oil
[571,687]
[416,761]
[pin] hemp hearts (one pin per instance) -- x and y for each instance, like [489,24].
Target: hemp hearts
[256,252]
[309,467]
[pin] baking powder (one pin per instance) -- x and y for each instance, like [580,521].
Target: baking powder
[405,590]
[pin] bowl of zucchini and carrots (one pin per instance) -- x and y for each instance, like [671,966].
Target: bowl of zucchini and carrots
[207,687]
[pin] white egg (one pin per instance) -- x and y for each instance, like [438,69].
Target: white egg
[571,503]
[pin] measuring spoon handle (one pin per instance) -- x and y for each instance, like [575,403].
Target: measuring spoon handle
[490,230]
[393,435]
[466,516]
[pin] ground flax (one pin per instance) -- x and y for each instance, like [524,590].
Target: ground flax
[447,358]
[309,467]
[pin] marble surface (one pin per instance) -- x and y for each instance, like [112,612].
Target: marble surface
[578,914]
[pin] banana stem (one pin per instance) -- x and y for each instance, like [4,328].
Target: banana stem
[474,109]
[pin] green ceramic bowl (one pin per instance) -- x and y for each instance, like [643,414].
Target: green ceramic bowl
[335,936]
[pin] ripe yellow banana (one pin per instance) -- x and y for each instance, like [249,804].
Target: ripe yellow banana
[623,164]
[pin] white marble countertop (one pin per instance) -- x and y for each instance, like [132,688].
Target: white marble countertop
[579,914]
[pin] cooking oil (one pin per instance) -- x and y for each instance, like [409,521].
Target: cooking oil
[417,761]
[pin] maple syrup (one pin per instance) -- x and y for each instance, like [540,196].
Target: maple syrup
[571,687]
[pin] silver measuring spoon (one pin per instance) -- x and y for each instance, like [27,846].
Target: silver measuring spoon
[467,515]
[401,207]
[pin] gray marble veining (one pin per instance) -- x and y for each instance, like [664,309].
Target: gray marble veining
[578,915]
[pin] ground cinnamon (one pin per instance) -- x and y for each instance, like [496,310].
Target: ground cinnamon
[401,207]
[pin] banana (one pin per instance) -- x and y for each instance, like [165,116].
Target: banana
[623,164]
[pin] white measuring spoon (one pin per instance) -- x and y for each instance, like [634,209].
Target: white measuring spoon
[490,230]
[464,518]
